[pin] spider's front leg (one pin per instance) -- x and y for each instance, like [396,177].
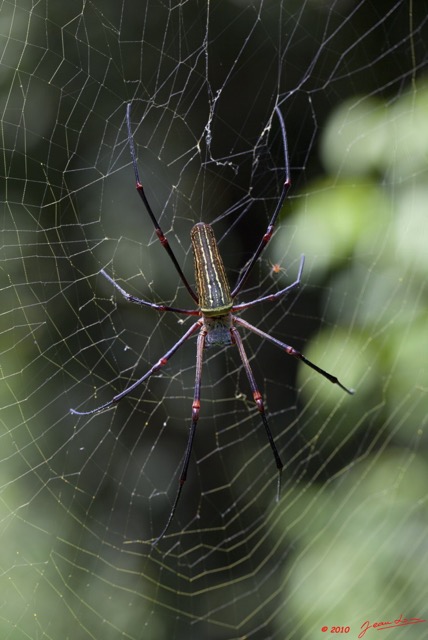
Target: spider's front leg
[257,396]
[195,417]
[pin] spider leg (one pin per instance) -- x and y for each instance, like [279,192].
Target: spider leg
[269,231]
[158,307]
[273,296]
[155,368]
[162,238]
[259,402]
[292,352]
[195,417]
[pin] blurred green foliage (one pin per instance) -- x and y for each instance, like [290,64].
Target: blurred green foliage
[362,556]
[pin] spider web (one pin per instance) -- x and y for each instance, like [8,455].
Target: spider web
[82,498]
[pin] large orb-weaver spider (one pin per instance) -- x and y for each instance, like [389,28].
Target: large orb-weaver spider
[216,308]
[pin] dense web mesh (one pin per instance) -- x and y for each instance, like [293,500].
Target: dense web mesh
[83,498]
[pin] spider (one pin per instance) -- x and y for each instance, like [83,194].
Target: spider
[217,323]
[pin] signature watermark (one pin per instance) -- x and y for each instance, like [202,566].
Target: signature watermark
[376,626]
[388,624]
